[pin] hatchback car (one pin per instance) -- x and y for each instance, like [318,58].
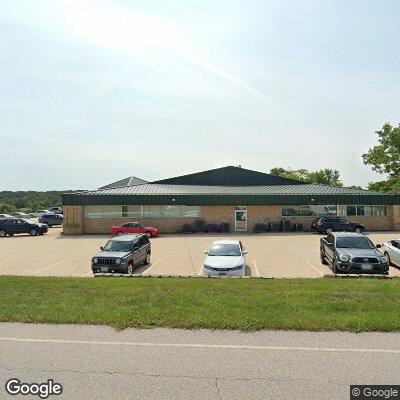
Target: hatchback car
[14,226]
[51,219]
[225,258]
[122,254]
[134,227]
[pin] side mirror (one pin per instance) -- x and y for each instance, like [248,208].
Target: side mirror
[206,252]
[245,251]
[378,246]
[101,248]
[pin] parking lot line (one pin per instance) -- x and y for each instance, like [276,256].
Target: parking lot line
[314,267]
[50,266]
[88,273]
[151,267]
[256,268]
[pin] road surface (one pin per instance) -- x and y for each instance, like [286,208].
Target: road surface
[94,362]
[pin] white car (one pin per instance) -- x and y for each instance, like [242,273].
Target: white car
[6,216]
[39,213]
[225,258]
[391,250]
[19,215]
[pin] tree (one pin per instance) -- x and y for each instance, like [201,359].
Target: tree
[323,177]
[385,158]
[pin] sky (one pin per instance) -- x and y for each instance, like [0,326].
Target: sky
[94,91]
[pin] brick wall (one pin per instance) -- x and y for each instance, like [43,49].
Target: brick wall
[165,225]
[73,220]
[76,224]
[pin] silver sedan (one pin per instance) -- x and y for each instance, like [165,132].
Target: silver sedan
[225,258]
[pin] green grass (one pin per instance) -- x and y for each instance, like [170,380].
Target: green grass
[303,304]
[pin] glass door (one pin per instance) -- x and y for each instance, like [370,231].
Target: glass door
[241,219]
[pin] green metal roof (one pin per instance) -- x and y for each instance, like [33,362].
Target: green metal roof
[229,195]
[229,176]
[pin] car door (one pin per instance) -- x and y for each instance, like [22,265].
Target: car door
[143,247]
[329,247]
[136,257]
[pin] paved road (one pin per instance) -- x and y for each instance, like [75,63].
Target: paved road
[94,362]
[279,255]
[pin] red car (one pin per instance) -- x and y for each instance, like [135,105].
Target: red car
[134,227]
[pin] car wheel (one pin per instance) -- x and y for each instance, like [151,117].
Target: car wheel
[147,259]
[129,269]
[10,234]
[3,233]
[33,232]
[358,230]
[119,233]
[149,235]
[323,260]
[49,225]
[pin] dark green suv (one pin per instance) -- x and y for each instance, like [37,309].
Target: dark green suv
[122,254]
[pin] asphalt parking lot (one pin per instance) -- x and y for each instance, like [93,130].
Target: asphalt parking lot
[272,255]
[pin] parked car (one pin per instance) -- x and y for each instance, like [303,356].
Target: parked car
[5,216]
[14,226]
[122,254]
[19,215]
[51,219]
[39,213]
[225,258]
[391,250]
[352,253]
[134,227]
[336,224]
[56,210]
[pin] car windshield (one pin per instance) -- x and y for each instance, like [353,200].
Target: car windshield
[225,250]
[118,245]
[354,243]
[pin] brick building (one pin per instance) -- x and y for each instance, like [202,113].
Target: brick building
[231,195]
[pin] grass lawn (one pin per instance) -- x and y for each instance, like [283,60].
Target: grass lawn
[303,304]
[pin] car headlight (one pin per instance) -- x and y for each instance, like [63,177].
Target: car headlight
[238,267]
[344,257]
[384,259]
[95,260]
[118,261]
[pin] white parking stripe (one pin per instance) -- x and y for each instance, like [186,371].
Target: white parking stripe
[50,266]
[256,268]
[151,267]
[88,273]
[314,267]
[202,346]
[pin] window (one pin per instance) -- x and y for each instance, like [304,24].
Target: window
[171,211]
[381,211]
[131,211]
[351,210]
[103,212]
[190,211]
[335,210]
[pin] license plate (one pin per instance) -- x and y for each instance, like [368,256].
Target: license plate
[104,269]
[222,274]
[366,267]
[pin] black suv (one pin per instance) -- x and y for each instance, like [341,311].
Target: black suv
[14,226]
[122,254]
[51,219]
[335,224]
